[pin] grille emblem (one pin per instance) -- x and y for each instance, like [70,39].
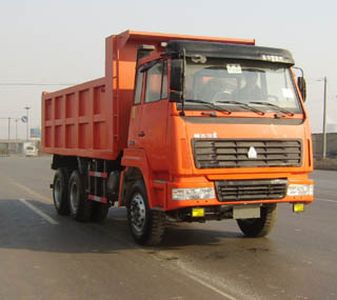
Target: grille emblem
[252,154]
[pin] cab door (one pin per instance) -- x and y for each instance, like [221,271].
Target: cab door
[136,110]
[152,134]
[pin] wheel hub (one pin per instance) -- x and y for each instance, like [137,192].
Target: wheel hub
[57,192]
[74,199]
[138,212]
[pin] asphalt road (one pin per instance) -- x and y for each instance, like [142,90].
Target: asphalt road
[46,256]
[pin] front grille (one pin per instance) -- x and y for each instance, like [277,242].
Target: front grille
[236,190]
[223,153]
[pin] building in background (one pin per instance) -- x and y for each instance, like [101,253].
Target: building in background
[27,148]
[331,144]
[8,147]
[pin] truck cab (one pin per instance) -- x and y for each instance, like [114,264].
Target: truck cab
[221,131]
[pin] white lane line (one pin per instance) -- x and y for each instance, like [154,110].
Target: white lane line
[29,191]
[39,212]
[326,200]
[207,285]
[197,276]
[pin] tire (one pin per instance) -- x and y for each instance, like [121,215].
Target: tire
[147,226]
[60,192]
[80,206]
[99,212]
[259,227]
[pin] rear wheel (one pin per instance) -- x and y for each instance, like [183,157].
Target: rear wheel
[60,192]
[99,211]
[259,227]
[147,226]
[80,206]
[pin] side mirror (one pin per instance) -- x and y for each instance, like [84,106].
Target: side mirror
[144,50]
[302,87]
[176,80]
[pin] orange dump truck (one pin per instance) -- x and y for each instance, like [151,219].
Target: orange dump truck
[182,128]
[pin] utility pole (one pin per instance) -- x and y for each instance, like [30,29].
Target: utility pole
[27,108]
[324,120]
[16,129]
[9,128]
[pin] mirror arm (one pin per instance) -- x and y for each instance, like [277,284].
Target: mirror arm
[182,112]
[301,83]
[300,69]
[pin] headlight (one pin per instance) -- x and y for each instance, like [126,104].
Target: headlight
[193,193]
[300,190]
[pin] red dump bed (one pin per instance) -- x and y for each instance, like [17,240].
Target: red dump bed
[92,119]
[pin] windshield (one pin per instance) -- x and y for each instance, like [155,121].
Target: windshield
[267,86]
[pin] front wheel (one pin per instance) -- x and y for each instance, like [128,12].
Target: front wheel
[147,226]
[259,227]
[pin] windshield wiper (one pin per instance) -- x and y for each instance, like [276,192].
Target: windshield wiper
[210,104]
[279,108]
[260,112]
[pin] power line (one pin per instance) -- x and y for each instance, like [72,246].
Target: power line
[34,84]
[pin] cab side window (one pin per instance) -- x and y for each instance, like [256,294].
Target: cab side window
[139,83]
[156,82]
[164,82]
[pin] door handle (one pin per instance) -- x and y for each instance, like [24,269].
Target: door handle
[141,133]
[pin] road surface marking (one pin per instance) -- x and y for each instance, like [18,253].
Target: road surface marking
[207,285]
[326,200]
[39,212]
[29,190]
[197,276]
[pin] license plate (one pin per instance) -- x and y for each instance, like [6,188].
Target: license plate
[198,212]
[246,211]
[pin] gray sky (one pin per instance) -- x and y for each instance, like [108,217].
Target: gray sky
[62,41]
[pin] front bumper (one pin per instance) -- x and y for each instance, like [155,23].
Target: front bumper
[203,183]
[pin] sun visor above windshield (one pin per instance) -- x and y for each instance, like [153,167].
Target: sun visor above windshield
[221,50]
